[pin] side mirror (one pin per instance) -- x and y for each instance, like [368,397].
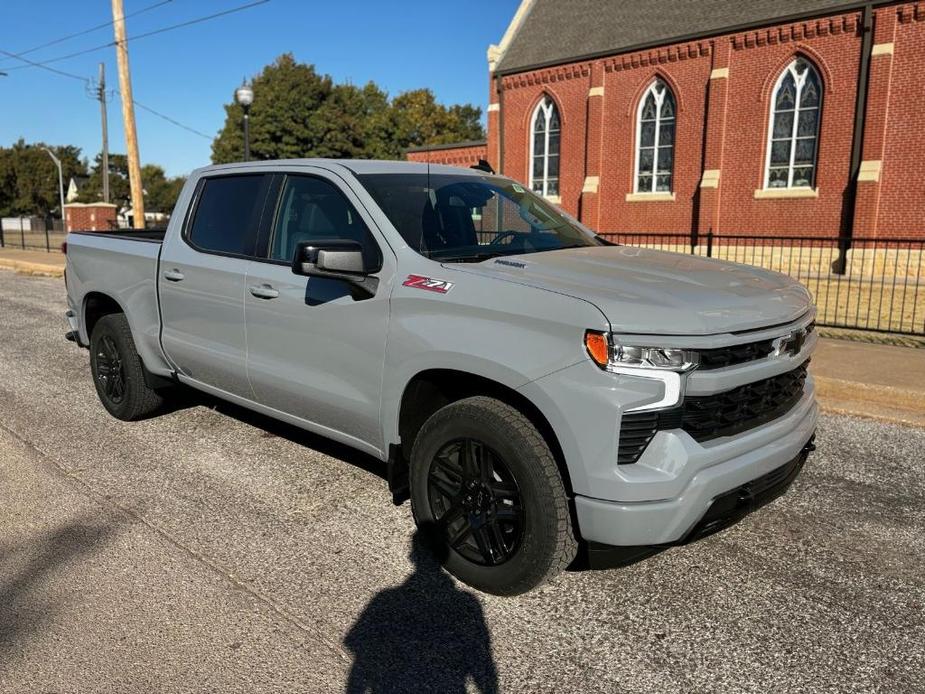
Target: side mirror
[338,259]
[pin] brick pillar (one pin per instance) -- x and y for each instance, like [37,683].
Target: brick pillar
[867,200]
[94,216]
[714,139]
[590,206]
[494,122]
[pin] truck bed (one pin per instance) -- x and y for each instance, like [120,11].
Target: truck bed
[122,266]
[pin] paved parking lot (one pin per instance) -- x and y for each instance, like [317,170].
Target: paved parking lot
[212,550]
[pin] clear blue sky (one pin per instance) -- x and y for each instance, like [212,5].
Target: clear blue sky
[191,72]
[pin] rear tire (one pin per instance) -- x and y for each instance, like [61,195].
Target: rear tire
[117,371]
[484,479]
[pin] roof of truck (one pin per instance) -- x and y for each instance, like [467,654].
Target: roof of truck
[357,166]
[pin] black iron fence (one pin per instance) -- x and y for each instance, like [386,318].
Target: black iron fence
[26,238]
[878,284]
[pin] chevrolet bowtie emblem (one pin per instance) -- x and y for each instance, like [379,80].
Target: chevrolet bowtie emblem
[790,344]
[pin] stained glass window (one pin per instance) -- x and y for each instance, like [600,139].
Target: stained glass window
[544,148]
[655,139]
[794,129]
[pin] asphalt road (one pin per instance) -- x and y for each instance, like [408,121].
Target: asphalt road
[212,550]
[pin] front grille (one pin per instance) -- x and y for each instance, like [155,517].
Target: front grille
[722,357]
[733,355]
[711,416]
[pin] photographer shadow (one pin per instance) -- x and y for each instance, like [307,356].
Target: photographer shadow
[425,635]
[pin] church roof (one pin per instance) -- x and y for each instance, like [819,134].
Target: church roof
[551,32]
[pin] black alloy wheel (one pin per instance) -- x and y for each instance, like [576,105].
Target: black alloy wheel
[476,502]
[109,371]
[118,374]
[484,480]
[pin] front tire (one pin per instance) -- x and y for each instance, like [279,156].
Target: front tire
[117,371]
[484,478]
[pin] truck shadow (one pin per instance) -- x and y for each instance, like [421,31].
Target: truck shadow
[187,398]
[425,635]
[23,610]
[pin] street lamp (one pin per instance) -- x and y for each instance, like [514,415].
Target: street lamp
[60,186]
[244,95]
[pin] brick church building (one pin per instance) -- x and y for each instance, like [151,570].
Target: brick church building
[802,117]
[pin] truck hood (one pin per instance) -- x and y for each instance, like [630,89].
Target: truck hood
[645,291]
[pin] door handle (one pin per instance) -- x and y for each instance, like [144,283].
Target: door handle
[173,275]
[264,291]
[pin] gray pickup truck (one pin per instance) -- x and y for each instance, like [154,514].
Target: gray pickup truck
[543,396]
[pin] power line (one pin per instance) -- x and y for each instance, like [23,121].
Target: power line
[145,35]
[44,67]
[86,81]
[171,120]
[91,29]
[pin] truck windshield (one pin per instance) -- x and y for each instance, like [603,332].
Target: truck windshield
[465,218]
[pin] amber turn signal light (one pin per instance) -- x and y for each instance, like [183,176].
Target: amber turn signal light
[598,349]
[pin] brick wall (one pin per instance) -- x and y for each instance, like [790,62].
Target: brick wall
[723,89]
[464,156]
[90,217]
[902,182]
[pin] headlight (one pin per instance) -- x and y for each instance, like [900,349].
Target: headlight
[609,353]
[668,365]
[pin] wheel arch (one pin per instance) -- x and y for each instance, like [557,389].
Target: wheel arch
[431,389]
[96,305]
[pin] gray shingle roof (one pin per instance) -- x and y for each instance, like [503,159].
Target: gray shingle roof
[555,31]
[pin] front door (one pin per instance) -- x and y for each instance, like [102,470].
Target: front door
[316,346]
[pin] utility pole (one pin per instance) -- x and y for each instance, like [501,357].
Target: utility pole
[101,95]
[128,115]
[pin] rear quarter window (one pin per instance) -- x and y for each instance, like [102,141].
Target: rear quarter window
[227,214]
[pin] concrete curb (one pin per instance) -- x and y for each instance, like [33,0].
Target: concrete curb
[35,269]
[880,402]
[873,338]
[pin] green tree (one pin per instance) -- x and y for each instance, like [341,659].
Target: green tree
[29,178]
[120,193]
[299,113]
[161,192]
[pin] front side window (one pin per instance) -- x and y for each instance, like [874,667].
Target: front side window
[313,209]
[227,214]
[544,148]
[469,218]
[794,129]
[655,130]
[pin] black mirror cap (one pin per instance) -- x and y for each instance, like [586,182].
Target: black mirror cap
[342,256]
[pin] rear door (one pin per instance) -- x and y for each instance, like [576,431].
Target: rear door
[316,346]
[202,281]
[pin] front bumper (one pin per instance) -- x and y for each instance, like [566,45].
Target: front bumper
[721,467]
[726,509]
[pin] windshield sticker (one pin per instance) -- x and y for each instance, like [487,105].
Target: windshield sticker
[517,188]
[428,283]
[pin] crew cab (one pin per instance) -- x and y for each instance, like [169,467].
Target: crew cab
[539,393]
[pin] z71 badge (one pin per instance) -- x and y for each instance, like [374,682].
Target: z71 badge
[428,283]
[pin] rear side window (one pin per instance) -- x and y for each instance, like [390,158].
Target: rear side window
[227,214]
